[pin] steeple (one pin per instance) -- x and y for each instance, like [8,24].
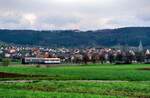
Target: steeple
[140,48]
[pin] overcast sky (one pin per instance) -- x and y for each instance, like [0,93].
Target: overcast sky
[73,14]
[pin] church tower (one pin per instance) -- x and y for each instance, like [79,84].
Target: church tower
[140,48]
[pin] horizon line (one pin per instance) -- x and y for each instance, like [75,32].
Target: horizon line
[76,29]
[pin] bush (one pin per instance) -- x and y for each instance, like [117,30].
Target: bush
[38,65]
[6,62]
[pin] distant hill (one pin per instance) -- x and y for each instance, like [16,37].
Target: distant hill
[75,38]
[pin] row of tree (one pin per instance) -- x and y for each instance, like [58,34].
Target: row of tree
[119,58]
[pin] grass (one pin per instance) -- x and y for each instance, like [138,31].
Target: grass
[83,81]
[91,72]
[39,94]
[82,88]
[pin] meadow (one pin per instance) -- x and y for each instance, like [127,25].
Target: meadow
[82,81]
[84,72]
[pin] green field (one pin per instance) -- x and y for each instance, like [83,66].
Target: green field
[90,72]
[84,81]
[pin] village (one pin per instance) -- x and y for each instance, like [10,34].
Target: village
[116,55]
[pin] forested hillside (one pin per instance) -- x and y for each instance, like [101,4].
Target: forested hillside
[75,38]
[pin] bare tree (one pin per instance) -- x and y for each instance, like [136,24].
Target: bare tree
[85,58]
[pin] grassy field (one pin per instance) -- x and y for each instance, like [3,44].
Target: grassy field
[85,81]
[39,94]
[76,89]
[90,72]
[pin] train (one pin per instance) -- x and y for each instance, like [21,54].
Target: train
[34,60]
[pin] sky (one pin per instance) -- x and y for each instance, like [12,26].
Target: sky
[73,14]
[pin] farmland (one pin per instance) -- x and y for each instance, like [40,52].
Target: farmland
[85,72]
[82,81]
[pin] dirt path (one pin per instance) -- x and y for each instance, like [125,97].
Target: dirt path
[17,81]
[106,81]
[10,75]
[29,81]
[15,75]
